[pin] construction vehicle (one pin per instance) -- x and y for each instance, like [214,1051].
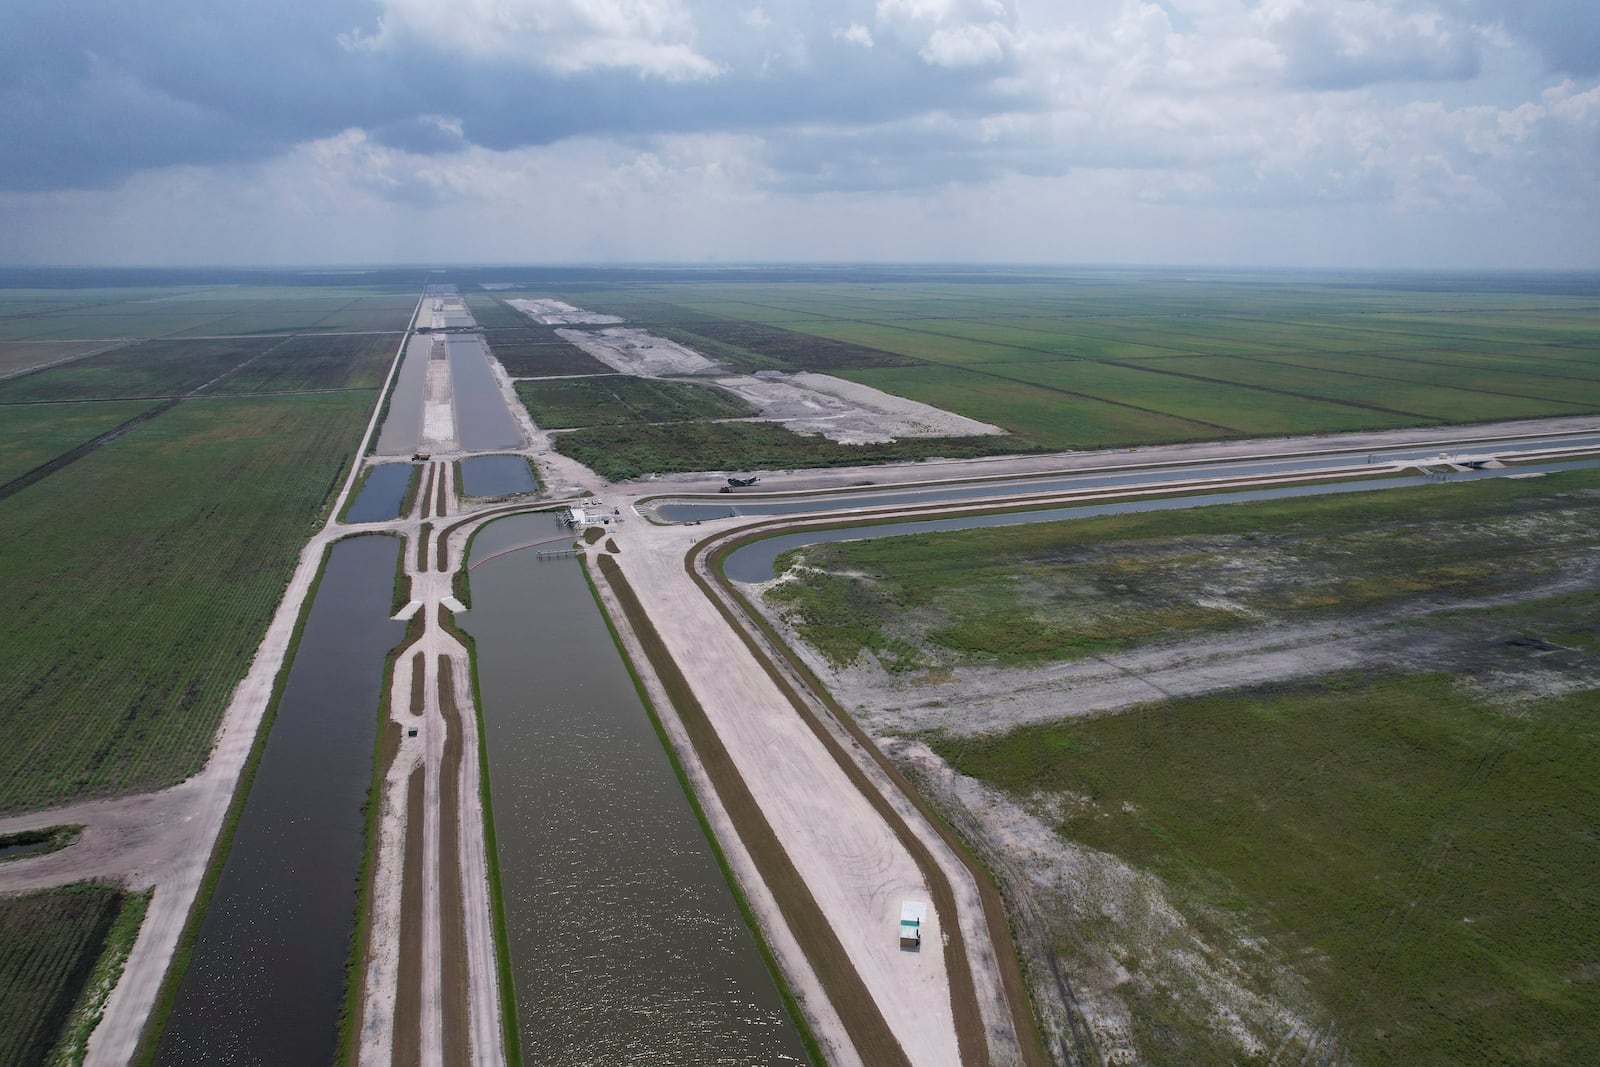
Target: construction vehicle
[739,483]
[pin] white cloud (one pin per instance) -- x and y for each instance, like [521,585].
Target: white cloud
[656,38]
[856,34]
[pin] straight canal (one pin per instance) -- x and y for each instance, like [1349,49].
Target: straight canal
[266,980]
[626,943]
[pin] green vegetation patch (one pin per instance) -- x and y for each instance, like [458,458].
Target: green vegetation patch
[32,434]
[316,361]
[621,398]
[761,345]
[535,351]
[618,453]
[49,943]
[138,583]
[1046,592]
[152,368]
[1428,859]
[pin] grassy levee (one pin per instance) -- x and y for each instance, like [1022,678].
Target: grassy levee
[140,582]
[452,909]
[73,1046]
[1055,591]
[50,941]
[792,1006]
[1424,857]
[970,1029]
[407,1047]
[386,747]
[850,997]
[509,1032]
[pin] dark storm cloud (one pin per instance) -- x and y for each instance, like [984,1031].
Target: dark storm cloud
[91,91]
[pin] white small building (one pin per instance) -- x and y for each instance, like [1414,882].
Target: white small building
[912,912]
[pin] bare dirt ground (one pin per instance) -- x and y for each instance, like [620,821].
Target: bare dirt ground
[845,411]
[560,313]
[810,403]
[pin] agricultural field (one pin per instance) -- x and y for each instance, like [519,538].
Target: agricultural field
[534,351]
[349,361]
[202,311]
[619,398]
[139,580]
[18,356]
[147,369]
[1080,360]
[50,942]
[33,434]
[1389,860]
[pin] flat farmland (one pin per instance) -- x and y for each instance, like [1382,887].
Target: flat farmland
[316,361]
[195,311]
[49,944]
[145,369]
[18,356]
[31,434]
[1235,355]
[138,583]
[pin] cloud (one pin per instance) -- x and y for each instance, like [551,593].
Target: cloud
[856,34]
[1341,44]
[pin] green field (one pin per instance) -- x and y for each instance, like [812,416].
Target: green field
[139,581]
[1082,360]
[201,311]
[1048,592]
[619,398]
[1427,860]
[35,433]
[50,942]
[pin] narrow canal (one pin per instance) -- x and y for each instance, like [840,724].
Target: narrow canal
[626,943]
[756,561]
[266,981]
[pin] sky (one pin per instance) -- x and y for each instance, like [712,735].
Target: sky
[1312,133]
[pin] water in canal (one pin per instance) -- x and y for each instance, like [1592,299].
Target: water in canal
[496,476]
[755,561]
[625,940]
[266,981]
[402,424]
[483,422]
[381,494]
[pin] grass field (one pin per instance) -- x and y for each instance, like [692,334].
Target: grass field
[34,433]
[138,583]
[619,398]
[200,311]
[49,944]
[1426,859]
[150,369]
[350,361]
[1047,592]
[1075,360]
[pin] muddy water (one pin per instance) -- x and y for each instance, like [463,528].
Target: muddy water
[381,494]
[496,476]
[402,425]
[755,561]
[625,941]
[267,978]
[483,422]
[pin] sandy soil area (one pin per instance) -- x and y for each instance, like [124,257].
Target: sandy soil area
[630,350]
[560,313]
[845,411]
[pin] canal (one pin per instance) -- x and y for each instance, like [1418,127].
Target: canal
[626,943]
[266,982]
